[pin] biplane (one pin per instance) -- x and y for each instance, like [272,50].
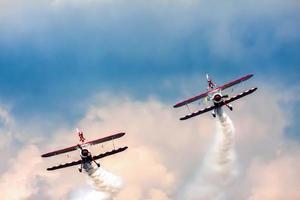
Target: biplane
[87,159]
[214,94]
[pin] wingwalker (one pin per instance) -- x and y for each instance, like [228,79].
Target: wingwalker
[87,159]
[214,94]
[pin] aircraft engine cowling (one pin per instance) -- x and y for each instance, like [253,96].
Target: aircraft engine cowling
[84,153]
[217,98]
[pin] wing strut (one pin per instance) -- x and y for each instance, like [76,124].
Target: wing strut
[187,105]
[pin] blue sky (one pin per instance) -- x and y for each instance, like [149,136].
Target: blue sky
[55,56]
[120,65]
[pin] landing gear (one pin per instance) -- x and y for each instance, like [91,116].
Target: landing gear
[80,168]
[213,113]
[98,165]
[229,106]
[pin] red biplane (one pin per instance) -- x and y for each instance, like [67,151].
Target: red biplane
[86,157]
[214,94]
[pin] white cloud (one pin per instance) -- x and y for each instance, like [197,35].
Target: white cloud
[18,182]
[276,179]
[164,153]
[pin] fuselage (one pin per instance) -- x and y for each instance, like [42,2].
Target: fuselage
[216,96]
[87,160]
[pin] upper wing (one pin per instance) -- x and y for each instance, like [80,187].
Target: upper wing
[109,153]
[198,112]
[57,152]
[93,142]
[195,98]
[234,82]
[105,139]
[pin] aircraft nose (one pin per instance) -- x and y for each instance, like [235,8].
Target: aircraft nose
[217,97]
[84,152]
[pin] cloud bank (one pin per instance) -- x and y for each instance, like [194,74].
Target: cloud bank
[164,153]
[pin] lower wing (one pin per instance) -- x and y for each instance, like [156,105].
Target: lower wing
[238,96]
[198,112]
[109,153]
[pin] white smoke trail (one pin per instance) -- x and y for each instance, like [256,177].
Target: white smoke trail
[105,186]
[219,166]
[106,182]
